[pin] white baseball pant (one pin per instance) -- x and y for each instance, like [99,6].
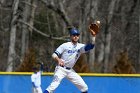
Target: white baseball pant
[60,73]
[37,90]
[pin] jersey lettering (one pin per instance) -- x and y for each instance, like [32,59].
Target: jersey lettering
[72,51]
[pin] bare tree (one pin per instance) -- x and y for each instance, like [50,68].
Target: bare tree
[61,11]
[119,28]
[13,25]
[92,11]
[139,41]
[28,17]
[108,36]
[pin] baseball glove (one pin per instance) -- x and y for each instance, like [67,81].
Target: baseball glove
[94,28]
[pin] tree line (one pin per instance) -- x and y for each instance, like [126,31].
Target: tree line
[30,31]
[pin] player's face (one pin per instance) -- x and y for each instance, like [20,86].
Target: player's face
[75,38]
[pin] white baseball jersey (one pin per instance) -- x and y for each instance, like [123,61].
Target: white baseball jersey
[36,78]
[70,53]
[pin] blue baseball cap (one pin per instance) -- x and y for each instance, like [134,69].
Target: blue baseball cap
[74,31]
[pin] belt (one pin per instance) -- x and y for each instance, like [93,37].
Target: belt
[68,68]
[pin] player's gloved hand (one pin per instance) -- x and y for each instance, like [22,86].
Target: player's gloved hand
[94,28]
[61,62]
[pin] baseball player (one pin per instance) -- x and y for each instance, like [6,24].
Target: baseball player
[36,78]
[66,56]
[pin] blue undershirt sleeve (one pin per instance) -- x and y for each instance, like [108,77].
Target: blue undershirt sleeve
[89,47]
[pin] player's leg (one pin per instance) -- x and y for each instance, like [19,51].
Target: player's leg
[34,90]
[78,81]
[58,76]
[39,90]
